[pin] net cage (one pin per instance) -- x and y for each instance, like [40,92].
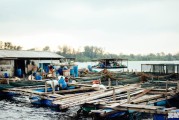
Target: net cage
[170,69]
[146,68]
[160,68]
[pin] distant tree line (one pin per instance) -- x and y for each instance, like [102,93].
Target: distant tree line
[9,45]
[92,52]
[89,53]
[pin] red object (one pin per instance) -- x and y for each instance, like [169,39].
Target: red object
[96,82]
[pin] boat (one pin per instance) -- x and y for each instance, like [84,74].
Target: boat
[111,63]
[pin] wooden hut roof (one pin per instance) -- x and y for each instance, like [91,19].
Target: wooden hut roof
[22,54]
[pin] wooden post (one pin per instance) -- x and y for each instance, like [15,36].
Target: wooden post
[32,75]
[45,87]
[116,82]
[7,80]
[114,95]
[109,82]
[136,71]
[99,81]
[53,87]
[167,86]
[24,77]
[177,87]
[128,96]
[166,89]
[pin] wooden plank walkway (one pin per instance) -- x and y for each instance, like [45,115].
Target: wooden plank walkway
[117,98]
[78,100]
[139,108]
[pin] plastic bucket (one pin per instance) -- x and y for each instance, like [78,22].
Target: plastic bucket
[71,71]
[38,77]
[19,72]
[89,67]
[6,75]
[75,70]
[60,71]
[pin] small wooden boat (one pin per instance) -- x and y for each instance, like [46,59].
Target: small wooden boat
[111,63]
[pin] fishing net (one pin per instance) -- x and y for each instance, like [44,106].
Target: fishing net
[146,68]
[5,86]
[160,68]
[157,85]
[123,81]
[130,80]
[170,69]
[26,83]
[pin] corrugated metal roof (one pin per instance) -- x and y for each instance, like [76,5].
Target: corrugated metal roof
[29,54]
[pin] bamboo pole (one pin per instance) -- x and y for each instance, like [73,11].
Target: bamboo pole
[118,96]
[53,87]
[109,82]
[143,93]
[45,87]
[177,87]
[81,100]
[128,96]
[7,80]
[166,85]
[114,95]
[116,82]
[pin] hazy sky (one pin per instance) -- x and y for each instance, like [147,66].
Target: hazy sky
[118,26]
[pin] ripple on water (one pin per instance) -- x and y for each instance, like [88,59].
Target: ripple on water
[14,109]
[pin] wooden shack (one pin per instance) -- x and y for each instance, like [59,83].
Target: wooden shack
[13,62]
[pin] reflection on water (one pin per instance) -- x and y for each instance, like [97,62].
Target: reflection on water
[20,109]
[15,109]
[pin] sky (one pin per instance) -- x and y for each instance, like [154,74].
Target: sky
[117,26]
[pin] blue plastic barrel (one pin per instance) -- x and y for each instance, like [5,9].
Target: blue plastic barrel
[34,74]
[6,75]
[60,71]
[75,70]
[62,83]
[38,77]
[89,67]
[72,72]
[161,117]
[161,103]
[19,72]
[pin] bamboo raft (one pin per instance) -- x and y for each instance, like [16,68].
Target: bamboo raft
[116,98]
[68,98]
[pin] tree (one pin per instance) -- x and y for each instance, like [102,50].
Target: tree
[46,48]
[18,48]
[9,45]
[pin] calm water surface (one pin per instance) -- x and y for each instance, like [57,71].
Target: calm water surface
[135,65]
[19,108]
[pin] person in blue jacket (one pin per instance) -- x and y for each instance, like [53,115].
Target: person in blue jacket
[62,83]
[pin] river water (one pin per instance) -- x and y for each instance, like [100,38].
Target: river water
[132,65]
[19,108]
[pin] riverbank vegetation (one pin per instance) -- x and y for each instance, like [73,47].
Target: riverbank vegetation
[88,53]
[92,52]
